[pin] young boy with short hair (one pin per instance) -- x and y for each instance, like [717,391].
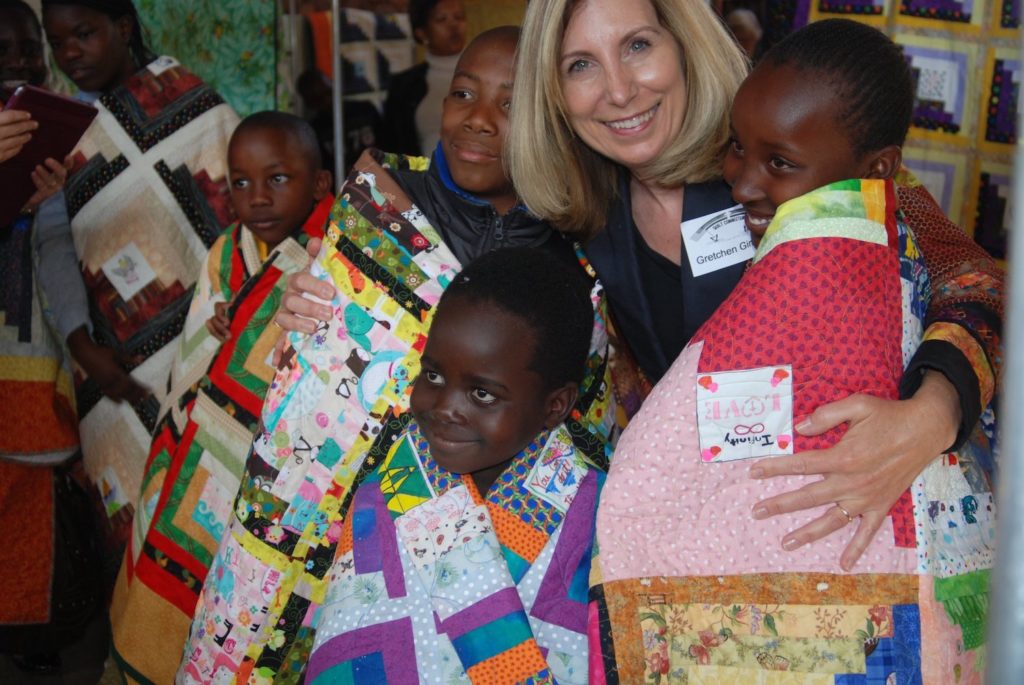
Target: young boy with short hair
[281,197]
[461,552]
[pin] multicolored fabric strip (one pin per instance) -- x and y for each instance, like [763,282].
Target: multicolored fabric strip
[197,455]
[435,583]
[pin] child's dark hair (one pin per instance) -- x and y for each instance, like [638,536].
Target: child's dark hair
[115,9]
[546,292]
[868,72]
[297,128]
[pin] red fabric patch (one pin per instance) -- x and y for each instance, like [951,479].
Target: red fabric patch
[902,513]
[830,307]
[217,196]
[154,93]
[26,556]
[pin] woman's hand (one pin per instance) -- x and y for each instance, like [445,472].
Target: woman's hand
[888,443]
[16,128]
[298,313]
[48,179]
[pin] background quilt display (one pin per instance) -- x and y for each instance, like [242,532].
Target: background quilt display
[964,57]
[230,44]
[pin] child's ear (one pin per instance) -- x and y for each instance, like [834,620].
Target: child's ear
[322,184]
[560,402]
[885,162]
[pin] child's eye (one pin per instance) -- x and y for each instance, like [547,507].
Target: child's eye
[278,179]
[240,183]
[780,163]
[734,146]
[461,94]
[82,35]
[432,377]
[507,105]
[483,397]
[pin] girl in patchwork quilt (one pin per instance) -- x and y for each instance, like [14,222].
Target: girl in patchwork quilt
[466,553]
[693,591]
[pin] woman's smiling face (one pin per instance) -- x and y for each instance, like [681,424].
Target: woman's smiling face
[622,81]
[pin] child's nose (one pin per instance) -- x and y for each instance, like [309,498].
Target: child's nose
[449,408]
[745,187]
[482,118]
[260,197]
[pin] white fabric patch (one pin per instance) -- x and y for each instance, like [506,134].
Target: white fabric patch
[128,271]
[745,414]
[556,476]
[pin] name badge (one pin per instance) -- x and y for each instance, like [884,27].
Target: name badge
[716,241]
[745,414]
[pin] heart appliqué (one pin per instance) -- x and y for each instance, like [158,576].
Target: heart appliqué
[710,453]
[779,376]
[783,441]
[707,383]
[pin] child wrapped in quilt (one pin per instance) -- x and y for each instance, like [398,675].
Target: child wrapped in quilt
[691,589]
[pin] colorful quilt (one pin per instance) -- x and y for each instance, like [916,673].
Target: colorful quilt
[690,588]
[332,413]
[38,427]
[435,583]
[38,424]
[196,460]
[147,198]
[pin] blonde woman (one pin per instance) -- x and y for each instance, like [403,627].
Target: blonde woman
[618,126]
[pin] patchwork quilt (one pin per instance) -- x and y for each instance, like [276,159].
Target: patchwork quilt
[200,446]
[333,411]
[690,589]
[146,198]
[38,428]
[435,582]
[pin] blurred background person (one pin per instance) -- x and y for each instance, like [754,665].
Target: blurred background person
[412,111]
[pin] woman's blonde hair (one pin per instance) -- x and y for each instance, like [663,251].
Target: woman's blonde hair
[555,173]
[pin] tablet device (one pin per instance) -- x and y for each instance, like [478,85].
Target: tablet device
[62,121]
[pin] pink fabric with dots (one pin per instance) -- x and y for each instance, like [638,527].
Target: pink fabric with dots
[832,308]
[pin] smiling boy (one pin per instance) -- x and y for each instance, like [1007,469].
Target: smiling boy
[494,518]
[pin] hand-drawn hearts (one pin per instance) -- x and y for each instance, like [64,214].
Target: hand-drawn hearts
[707,383]
[779,376]
[710,453]
[783,441]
